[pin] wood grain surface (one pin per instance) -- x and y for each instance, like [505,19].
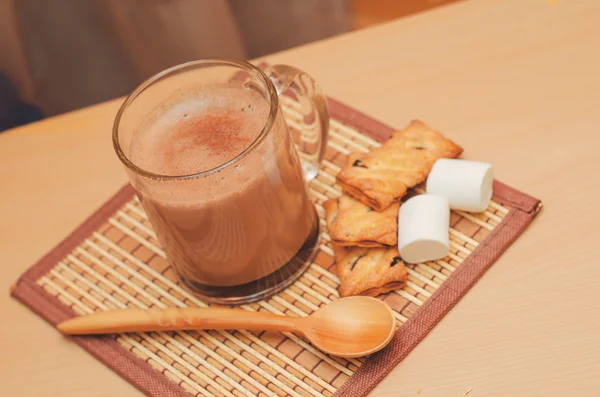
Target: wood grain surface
[515,82]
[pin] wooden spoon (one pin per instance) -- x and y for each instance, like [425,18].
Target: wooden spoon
[348,327]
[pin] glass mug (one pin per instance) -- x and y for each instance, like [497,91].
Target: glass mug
[208,151]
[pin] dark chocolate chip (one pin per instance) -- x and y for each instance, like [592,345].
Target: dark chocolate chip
[356,261]
[396,260]
[358,163]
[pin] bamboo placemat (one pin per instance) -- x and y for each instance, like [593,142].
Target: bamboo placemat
[113,260]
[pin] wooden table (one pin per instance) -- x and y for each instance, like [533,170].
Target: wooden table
[516,82]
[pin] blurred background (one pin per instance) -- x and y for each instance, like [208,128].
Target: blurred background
[61,55]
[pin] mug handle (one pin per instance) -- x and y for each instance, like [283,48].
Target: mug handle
[306,113]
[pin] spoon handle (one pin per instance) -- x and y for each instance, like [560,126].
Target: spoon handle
[176,319]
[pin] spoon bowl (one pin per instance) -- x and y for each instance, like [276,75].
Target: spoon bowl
[351,327]
[348,327]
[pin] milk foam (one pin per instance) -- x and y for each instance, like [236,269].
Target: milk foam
[201,133]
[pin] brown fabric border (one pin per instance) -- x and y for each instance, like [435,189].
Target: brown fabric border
[151,382]
[513,198]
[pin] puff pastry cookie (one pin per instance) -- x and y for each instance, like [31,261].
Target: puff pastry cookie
[369,271]
[352,223]
[382,176]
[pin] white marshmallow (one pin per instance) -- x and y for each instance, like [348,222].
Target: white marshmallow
[423,223]
[466,184]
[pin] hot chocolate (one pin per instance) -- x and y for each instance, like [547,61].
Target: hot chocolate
[240,223]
